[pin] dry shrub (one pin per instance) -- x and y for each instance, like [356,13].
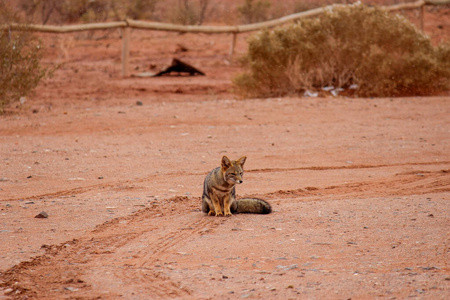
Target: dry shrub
[68,11]
[189,12]
[141,9]
[253,12]
[20,56]
[365,48]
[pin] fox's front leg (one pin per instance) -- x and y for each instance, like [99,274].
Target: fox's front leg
[207,206]
[227,201]
[216,204]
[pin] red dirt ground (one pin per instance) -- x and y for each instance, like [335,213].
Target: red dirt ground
[360,187]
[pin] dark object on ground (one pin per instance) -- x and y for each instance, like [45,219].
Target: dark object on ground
[42,215]
[177,66]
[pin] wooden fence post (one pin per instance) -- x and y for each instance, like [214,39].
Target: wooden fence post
[421,16]
[233,45]
[125,50]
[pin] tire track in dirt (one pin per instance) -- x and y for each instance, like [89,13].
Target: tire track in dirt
[351,167]
[141,271]
[145,262]
[115,184]
[161,229]
[175,237]
[401,184]
[70,263]
[64,267]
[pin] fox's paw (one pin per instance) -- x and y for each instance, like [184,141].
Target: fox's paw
[211,213]
[219,214]
[228,214]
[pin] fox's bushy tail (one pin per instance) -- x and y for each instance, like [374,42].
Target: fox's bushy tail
[253,206]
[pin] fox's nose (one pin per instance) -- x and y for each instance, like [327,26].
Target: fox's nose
[239,181]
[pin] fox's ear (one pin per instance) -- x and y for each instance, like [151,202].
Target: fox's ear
[241,160]
[226,163]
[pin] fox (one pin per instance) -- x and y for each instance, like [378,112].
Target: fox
[219,193]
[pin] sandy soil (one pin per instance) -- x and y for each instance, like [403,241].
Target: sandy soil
[360,187]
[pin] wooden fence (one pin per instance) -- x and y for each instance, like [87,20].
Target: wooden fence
[127,24]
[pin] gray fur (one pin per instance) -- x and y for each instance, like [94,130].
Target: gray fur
[219,193]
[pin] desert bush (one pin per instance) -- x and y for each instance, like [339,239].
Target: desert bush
[133,9]
[190,13]
[66,11]
[20,56]
[363,48]
[254,11]
[141,9]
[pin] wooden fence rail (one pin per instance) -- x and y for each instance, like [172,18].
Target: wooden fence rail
[127,24]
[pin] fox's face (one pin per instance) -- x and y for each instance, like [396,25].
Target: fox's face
[232,170]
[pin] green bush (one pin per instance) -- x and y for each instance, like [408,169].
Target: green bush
[362,50]
[20,68]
